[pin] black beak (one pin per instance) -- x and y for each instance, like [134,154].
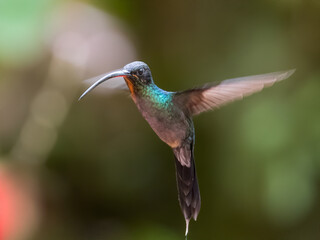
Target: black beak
[118,73]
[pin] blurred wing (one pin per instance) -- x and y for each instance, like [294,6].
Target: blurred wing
[210,96]
[112,84]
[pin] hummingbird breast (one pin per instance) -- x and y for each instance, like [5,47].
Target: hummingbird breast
[166,119]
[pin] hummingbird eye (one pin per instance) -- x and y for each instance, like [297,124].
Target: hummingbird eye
[140,71]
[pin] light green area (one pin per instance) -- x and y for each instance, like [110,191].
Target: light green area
[22,28]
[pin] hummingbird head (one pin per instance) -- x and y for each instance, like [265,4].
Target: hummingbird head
[139,73]
[135,74]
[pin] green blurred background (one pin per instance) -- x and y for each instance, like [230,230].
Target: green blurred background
[95,170]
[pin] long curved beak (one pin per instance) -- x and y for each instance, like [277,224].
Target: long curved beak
[118,73]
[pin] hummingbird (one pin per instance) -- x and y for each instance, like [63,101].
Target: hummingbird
[170,116]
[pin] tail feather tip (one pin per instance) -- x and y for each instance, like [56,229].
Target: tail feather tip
[187,226]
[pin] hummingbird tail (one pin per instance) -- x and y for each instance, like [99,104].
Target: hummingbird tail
[187,183]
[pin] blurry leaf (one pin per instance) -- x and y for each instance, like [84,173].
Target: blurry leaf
[289,189]
[21,27]
[266,126]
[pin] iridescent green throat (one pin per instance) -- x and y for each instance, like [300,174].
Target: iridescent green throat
[158,98]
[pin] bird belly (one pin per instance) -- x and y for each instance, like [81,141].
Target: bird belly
[170,128]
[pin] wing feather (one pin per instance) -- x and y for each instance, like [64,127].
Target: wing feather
[212,96]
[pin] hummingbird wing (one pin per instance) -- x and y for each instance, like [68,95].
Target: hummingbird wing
[212,96]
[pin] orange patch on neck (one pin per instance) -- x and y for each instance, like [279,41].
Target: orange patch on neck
[130,86]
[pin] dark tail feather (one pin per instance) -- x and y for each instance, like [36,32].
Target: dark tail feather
[187,183]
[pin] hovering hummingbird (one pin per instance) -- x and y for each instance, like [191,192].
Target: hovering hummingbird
[170,115]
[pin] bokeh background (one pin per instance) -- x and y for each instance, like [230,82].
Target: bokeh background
[95,170]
